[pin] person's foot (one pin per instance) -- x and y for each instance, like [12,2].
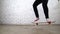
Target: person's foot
[49,21]
[36,21]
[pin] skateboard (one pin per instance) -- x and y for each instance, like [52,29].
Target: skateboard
[44,22]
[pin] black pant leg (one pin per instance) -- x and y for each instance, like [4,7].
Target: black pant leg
[45,8]
[35,4]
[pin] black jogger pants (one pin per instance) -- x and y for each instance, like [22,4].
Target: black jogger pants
[45,7]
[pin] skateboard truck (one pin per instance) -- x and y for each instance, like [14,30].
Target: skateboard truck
[36,23]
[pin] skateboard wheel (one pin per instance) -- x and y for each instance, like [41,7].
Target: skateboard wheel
[36,23]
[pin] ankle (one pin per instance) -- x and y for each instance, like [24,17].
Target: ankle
[37,19]
[48,19]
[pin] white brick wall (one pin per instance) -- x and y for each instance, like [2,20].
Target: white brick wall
[21,11]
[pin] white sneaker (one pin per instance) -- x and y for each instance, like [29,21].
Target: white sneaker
[49,21]
[36,21]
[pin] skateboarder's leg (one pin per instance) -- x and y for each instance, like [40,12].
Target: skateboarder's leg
[35,4]
[45,8]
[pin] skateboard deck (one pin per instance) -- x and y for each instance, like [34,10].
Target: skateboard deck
[43,22]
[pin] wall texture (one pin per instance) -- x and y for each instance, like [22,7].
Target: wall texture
[21,11]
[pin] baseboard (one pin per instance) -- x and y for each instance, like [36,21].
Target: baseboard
[28,24]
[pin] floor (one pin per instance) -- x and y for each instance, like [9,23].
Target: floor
[29,29]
